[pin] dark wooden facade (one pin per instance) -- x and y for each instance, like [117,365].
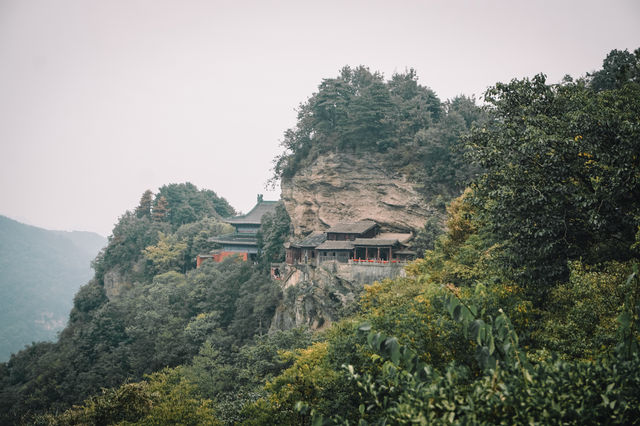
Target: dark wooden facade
[349,242]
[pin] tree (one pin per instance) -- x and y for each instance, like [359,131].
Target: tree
[618,68]
[186,204]
[274,231]
[144,208]
[358,111]
[561,178]
[161,209]
[167,255]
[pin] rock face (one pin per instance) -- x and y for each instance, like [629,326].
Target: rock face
[115,283]
[317,296]
[341,188]
[349,188]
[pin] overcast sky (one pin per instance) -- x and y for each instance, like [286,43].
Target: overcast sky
[101,100]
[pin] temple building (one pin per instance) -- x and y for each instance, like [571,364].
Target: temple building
[351,243]
[243,242]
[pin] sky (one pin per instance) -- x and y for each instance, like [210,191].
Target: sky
[101,100]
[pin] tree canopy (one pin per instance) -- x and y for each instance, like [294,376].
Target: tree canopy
[561,180]
[399,121]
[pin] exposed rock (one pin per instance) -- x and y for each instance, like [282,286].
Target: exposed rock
[348,188]
[317,296]
[115,283]
[339,188]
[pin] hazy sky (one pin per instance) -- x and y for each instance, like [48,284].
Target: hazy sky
[101,100]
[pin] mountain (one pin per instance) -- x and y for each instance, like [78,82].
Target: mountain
[40,271]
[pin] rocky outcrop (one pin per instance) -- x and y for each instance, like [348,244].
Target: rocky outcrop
[317,296]
[116,281]
[339,188]
[348,188]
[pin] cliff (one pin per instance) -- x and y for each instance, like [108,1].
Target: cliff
[317,296]
[341,188]
[349,188]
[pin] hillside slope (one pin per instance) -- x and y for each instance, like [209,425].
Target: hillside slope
[40,271]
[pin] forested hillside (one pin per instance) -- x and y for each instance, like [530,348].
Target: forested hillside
[525,310]
[40,271]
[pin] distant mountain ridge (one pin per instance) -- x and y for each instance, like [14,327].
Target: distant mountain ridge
[40,271]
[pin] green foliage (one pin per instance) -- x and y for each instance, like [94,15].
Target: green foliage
[426,237]
[196,236]
[561,179]
[495,338]
[525,310]
[400,123]
[443,168]
[181,214]
[186,204]
[274,232]
[89,298]
[580,318]
[618,68]
[166,255]
[130,236]
[160,209]
[310,378]
[153,325]
[462,255]
[146,201]
[164,398]
[232,377]
[401,389]
[629,318]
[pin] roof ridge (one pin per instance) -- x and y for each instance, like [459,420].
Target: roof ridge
[253,208]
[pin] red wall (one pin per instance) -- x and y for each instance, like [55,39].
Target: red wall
[219,257]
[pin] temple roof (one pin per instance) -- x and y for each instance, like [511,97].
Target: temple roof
[311,241]
[401,237]
[237,239]
[254,217]
[375,242]
[335,245]
[352,228]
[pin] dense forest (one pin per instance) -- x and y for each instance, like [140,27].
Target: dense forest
[525,309]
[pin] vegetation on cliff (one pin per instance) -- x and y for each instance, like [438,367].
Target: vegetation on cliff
[526,310]
[402,124]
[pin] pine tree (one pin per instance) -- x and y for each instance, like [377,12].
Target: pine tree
[161,209]
[144,208]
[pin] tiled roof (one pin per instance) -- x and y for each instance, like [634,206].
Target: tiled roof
[255,215]
[311,241]
[335,245]
[402,238]
[352,228]
[244,239]
[374,242]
